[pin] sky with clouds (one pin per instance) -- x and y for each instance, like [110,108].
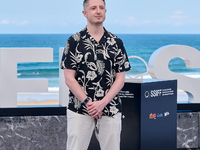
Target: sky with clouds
[127,16]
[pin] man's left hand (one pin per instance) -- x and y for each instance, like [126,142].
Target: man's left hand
[95,109]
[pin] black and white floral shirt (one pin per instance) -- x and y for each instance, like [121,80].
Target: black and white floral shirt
[96,65]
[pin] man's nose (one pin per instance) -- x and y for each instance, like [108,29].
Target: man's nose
[98,10]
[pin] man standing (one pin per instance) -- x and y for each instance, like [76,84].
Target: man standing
[94,62]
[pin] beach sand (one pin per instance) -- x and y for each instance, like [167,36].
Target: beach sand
[35,102]
[53,99]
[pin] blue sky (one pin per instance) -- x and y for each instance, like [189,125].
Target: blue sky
[123,16]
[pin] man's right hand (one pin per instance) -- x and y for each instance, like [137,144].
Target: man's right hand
[99,114]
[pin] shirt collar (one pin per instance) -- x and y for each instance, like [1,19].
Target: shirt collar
[103,38]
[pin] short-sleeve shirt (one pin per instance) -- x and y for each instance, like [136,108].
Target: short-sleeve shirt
[96,65]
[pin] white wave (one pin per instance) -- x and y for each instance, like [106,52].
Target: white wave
[37,97]
[38,93]
[51,94]
[194,75]
[53,89]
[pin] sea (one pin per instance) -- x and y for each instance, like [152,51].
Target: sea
[142,45]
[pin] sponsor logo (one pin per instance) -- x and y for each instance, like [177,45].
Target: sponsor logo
[152,116]
[146,94]
[166,114]
[158,115]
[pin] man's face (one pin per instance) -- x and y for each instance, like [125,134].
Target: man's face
[95,11]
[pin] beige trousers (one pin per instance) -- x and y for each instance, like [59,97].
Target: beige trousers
[80,129]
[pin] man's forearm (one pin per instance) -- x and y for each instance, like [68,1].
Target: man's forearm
[74,85]
[115,88]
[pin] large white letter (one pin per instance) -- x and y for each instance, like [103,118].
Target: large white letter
[158,68]
[63,88]
[9,85]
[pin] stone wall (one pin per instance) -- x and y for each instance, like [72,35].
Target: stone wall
[50,132]
[33,133]
[188,130]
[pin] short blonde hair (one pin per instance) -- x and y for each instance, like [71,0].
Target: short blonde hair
[85,2]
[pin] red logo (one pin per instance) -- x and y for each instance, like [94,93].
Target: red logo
[152,116]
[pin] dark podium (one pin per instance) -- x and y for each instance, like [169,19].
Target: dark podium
[149,116]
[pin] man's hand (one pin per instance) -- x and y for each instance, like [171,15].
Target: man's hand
[95,109]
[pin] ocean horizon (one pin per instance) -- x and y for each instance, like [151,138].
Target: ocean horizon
[142,45]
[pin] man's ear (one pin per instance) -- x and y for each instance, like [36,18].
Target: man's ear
[84,13]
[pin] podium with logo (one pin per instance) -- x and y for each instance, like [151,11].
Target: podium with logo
[149,115]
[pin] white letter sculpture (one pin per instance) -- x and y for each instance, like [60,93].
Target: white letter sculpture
[9,85]
[158,68]
[63,88]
